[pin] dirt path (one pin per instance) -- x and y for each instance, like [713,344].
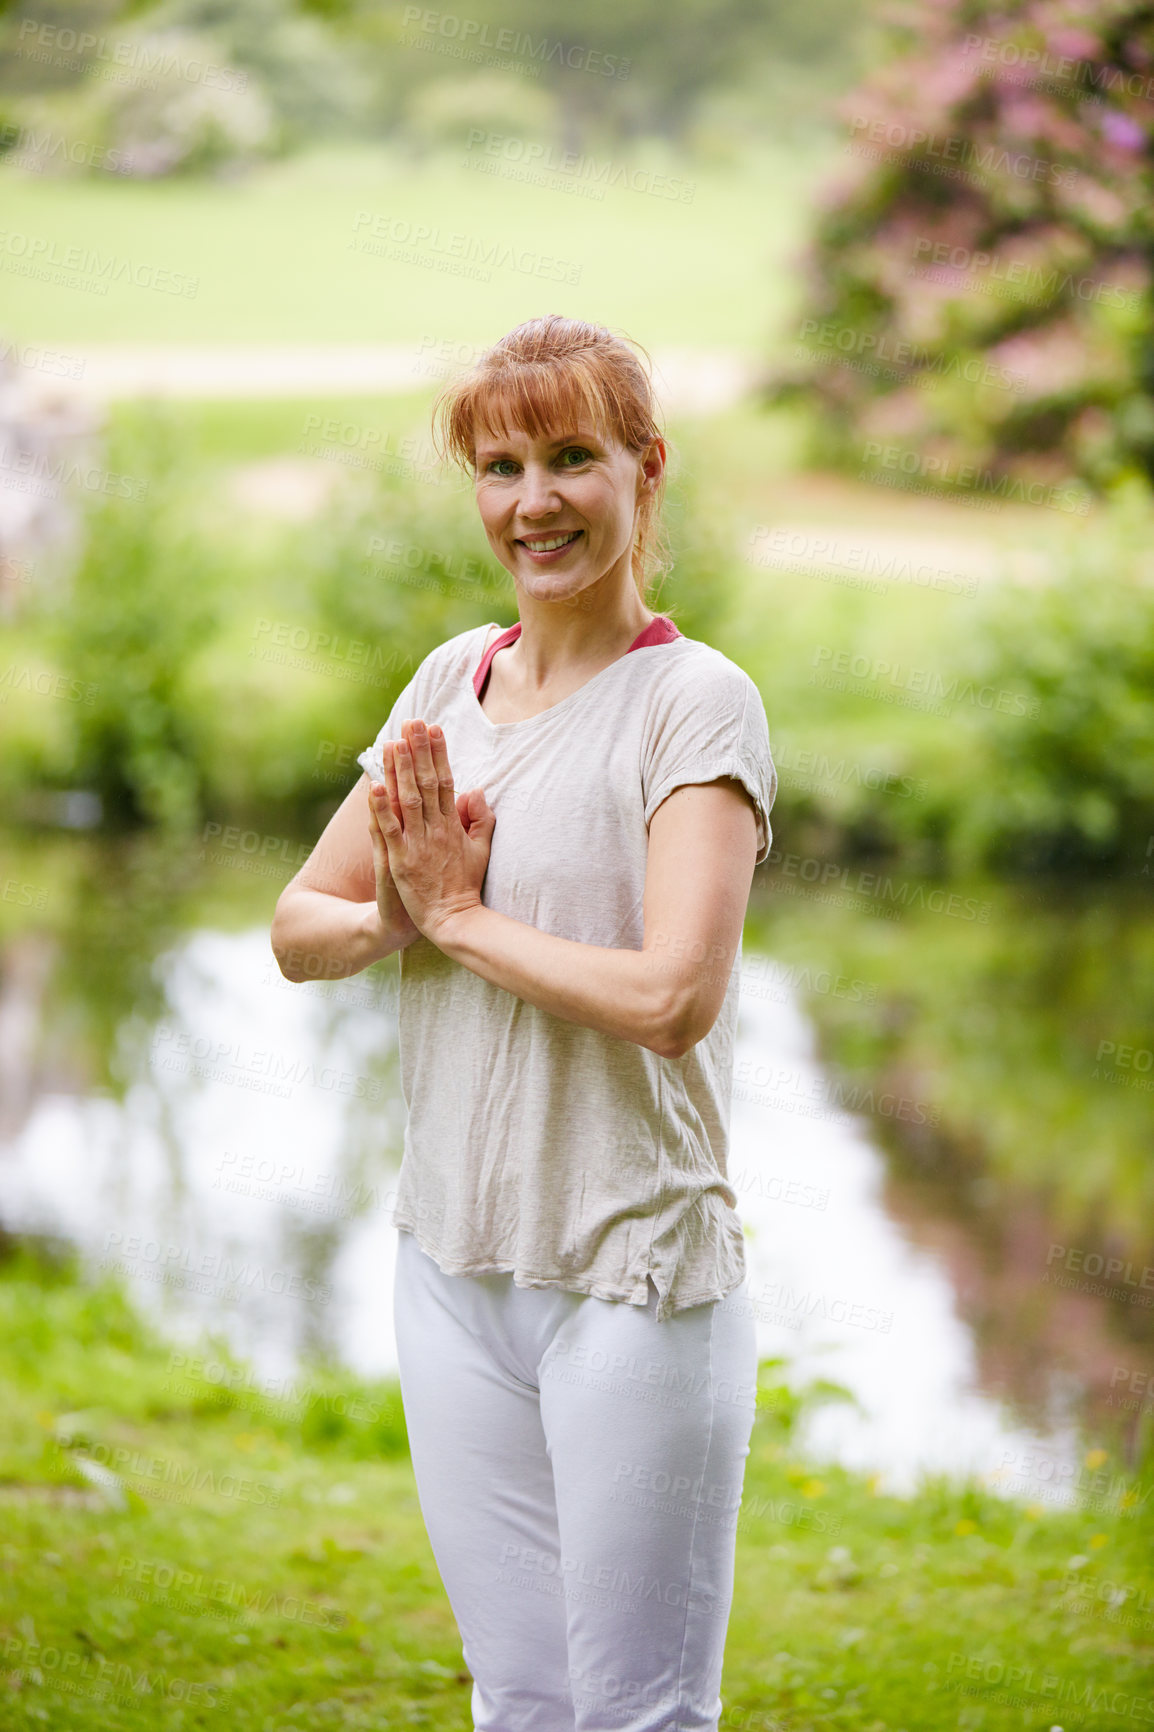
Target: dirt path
[688,380]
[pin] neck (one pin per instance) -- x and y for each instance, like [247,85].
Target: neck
[559,636]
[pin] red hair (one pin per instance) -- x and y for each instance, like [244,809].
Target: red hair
[551,375]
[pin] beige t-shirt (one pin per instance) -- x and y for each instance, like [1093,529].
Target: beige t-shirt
[571,1158]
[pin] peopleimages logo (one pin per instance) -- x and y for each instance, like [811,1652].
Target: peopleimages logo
[907,358]
[426,244]
[80,1673]
[56,43]
[42,360]
[930,682]
[1027,1687]
[955,150]
[540,161]
[474,33]
[1038,69]
[947,473]
[1120,1270]
[28,254]
[32,147]
[613,1578]
[994,271]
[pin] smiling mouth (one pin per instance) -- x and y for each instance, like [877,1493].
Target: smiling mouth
[549,543]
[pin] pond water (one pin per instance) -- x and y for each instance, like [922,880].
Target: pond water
[229,1143]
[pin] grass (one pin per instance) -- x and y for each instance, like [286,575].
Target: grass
[242,1559]
[275,257]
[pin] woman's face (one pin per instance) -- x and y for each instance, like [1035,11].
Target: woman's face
[560,511]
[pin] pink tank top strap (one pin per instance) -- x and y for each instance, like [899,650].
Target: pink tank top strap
[481,677]
[660,629]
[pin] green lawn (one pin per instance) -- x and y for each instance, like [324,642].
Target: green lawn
[277,261]
[262,1564]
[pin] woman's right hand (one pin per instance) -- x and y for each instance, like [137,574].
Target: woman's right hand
[394,916]
[474,815]
[438,840]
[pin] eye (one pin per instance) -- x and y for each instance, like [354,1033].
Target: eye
[501,466]
[573,455]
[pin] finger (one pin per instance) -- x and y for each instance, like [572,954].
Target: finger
[380,846]
[481,815]
[408,793]
[440,751]
[389,762]
[425,771]
[383,821]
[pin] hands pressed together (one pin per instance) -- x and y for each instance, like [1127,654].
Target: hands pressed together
[430,844]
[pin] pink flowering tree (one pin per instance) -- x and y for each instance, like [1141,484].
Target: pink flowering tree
[979,281]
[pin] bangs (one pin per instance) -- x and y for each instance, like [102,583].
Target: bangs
[558,396]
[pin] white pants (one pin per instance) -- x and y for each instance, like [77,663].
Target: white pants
[579,1466]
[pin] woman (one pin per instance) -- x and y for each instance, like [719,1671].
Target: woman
[577,1366]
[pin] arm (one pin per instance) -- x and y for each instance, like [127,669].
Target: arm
[665,996]
[702,843]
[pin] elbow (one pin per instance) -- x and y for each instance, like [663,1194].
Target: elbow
[676,1045]
[673,1050]
[287,959]
[285,966]
[683,1020]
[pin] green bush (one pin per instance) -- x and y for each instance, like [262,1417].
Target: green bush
[979,289]
[1071,784]
[143,599]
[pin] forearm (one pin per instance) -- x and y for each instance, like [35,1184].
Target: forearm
[315,935]
[637,995]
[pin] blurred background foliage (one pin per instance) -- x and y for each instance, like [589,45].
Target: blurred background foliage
[990,237]
[292,71]
[1073,784]
[225,666]
[172,612]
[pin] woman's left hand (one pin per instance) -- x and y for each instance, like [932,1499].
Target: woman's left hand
[438,841]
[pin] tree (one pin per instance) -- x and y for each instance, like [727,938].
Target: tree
[980,279]
[646,68]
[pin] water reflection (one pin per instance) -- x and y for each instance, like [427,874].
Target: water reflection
[172,1105]
[237,1168]
[841,1290]
[245,1166]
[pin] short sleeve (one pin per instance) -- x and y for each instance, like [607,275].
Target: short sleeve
[709,724]
[371,760]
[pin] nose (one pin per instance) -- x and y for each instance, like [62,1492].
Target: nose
[538,493]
